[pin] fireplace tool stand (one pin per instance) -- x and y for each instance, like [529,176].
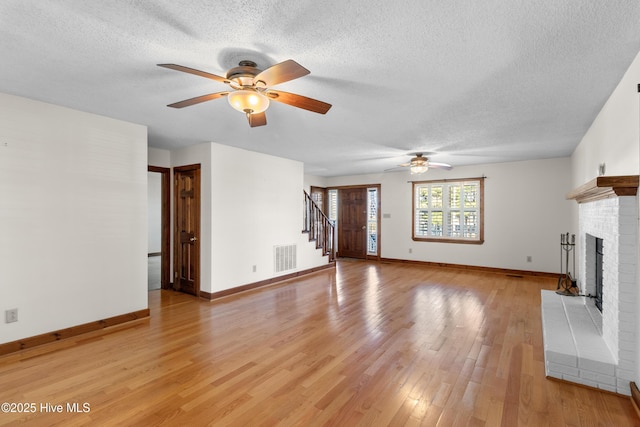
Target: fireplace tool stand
[566,284]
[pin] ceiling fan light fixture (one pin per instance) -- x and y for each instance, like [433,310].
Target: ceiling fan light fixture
[248,101]
[418,169]
[419,165]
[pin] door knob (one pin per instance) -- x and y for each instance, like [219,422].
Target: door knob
[364,227]
[193,239]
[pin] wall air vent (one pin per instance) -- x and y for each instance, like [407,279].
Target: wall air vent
[284,258]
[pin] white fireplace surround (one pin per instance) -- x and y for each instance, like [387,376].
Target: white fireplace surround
[615,221]
[582,345]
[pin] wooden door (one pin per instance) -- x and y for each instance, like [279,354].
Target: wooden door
[187,229]
[352,222]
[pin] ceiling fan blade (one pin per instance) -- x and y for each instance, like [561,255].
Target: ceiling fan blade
[299,101]
[196,72]
[440,166]
[198,100]
[257,119]
[280,73]
[404,165]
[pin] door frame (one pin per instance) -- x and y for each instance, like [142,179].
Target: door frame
[176,239]
[377,257]
[165,225]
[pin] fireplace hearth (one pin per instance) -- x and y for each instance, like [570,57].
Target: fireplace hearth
[596,343]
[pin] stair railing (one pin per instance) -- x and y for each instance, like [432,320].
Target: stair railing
[320,228]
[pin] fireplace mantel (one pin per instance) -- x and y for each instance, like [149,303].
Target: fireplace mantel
[604,187]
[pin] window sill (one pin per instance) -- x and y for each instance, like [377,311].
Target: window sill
[445,240]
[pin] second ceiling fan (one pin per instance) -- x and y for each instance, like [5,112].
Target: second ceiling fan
[251,89]
[420,164]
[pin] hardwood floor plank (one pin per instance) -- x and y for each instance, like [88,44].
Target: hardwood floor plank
[372,344]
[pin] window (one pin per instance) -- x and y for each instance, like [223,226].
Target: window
[449,211]
[372,221]
[333,205]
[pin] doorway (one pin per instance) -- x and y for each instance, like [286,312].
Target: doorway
[355,210]
[187,229]
[352,223]
[158,190]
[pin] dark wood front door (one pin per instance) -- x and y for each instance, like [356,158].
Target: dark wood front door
[352,222]
[187,230]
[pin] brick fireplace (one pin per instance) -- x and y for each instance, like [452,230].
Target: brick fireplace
[581,343]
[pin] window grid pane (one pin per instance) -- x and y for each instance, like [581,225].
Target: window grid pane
[422,225]
[436,197]
[454,196]
[436,223]
[423,197]
[470,225]
[454,227]
[470,195]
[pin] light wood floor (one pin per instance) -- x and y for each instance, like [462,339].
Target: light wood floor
[371,344]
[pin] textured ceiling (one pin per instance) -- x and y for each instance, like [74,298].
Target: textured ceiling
[466,81]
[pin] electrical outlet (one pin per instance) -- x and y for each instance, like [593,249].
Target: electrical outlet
[529,258]
[410,250]
[254,268]
[11,316]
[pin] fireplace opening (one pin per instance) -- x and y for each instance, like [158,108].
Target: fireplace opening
[599,253]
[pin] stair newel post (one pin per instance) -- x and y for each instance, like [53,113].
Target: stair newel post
[325,235]
[313,221]
[305,213]
[320,231]
[332,241]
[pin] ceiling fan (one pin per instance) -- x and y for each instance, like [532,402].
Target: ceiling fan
[251,89]
[420,164]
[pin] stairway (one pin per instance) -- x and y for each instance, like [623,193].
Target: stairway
[320,228]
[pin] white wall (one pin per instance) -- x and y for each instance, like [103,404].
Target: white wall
[614,136]
[614,139]
[314,181]
[257,203]
[73,217]
[159,157]
[525,212]
[251,202]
